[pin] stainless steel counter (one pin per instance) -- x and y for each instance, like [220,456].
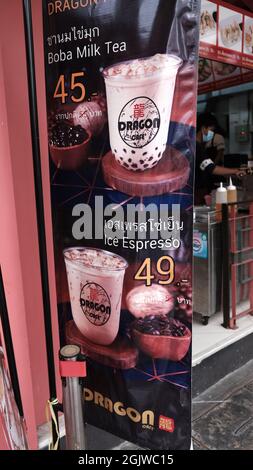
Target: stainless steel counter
[207,263]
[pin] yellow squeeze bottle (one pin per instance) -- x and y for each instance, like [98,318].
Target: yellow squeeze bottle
[232,192]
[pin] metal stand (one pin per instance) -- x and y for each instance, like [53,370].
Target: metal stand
[73,370]
[225,266]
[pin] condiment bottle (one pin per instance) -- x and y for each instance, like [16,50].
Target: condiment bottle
[232,197]
[231,192]
[221,198]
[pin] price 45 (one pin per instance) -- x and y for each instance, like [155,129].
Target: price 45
[77,88]
[165,266]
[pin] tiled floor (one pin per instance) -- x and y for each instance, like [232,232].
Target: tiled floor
[209,339]
[223,414]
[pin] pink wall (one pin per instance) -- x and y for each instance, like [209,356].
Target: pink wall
[3,443]
[19,255]
[12,270]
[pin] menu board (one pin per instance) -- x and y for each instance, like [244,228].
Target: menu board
[215,75]
[226,33]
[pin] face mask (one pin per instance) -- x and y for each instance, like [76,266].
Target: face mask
[209,136]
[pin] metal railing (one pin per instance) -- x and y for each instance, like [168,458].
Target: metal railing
[237,261]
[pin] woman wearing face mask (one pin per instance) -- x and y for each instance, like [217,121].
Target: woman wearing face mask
[206,158]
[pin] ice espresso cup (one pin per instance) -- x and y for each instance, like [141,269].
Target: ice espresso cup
[139,99]
[95,280]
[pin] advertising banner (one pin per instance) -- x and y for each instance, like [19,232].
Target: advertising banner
[121,97]
[226,33]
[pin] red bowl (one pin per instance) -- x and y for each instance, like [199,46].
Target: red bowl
[162,347]
[71,158]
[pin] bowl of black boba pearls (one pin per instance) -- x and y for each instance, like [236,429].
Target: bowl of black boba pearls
[161,337]
[69,146]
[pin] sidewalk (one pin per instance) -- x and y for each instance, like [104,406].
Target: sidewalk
[223,414]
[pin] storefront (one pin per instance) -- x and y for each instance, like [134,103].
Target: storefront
[223,322]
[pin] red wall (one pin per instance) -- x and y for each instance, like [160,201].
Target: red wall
[19,256]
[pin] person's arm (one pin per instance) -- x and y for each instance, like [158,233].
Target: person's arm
[222,171]
[208,166]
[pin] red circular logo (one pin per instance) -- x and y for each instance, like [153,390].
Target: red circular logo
[95,304]
[139,122]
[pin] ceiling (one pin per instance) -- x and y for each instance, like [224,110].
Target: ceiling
[245,4]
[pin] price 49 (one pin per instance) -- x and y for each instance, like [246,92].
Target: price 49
[77,88]
[165,266]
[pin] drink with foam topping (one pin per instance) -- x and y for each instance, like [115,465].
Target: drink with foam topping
[139,99]
[95,280]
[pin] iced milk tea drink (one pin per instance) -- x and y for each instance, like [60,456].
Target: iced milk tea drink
[95,280]
[139,99]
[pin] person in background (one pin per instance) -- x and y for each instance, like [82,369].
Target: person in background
[213,141]
[206,157]
[218,142]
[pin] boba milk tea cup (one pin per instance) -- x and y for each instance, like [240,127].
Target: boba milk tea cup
[139,100]
[95,280]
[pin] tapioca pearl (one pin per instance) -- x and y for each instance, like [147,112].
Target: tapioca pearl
[121,158]
[134,165]
[115,151]
[129,160]
[156,149]
[126,165]
[144,153]
[124,150]
[141,162]
[159,154]
[133,151]
[153,164]
[150,158]
[146,165]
